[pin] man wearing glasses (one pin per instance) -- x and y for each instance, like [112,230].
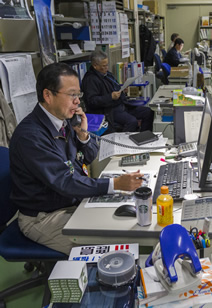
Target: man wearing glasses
[102,95]
[48,158]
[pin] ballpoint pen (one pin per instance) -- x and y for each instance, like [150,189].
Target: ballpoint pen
[140,178]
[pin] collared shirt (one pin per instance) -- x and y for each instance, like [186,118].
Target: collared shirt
[58,124]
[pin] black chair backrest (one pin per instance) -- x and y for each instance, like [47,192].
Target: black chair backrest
[163,53]
[7,209]
[157,62]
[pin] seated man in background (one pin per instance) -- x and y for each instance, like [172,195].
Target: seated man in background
[102,95]
[48,160]
[174,36]
[173,56]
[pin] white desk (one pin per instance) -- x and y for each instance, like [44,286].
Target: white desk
[163,93]
[100,226]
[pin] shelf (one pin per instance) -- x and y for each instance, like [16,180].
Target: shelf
[128,10]
[73,57]
[69,19]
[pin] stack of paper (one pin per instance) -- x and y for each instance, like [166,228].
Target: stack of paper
[152,288]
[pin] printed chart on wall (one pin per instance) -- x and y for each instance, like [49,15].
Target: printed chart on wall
[14,9]
[125,41]
[18,83]
[104,22]
[45,31]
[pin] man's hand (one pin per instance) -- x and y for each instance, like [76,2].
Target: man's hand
[129,181]
[116,95]
[82,135]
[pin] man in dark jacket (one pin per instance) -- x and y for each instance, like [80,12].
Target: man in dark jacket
[102,95]
[48,158]
[173,57]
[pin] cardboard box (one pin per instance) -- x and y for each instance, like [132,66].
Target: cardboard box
[131,4]
[68,281]
[126,4]
[153,5]
[180,100]
[180,71]
[134,91]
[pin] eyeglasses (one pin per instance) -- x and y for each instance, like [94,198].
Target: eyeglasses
[72,96]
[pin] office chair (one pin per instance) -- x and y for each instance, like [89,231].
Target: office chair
[166,68]
[15,247]
[163,51]
[161,70]
[157,63]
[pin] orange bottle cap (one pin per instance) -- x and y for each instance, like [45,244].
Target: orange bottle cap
[164,190]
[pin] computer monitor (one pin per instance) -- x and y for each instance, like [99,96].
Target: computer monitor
[204,146]
[182,125]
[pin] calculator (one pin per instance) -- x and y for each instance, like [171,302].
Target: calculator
[135,159]
[187,149]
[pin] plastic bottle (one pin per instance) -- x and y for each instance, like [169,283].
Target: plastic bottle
[158,113]
[164,208]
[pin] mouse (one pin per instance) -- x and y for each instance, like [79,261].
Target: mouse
[126,210]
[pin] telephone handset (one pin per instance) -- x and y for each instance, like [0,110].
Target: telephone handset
[75,120]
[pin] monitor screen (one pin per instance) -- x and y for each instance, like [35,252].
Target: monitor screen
[187,120]
[204,146]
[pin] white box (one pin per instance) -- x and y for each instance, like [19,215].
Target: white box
[68,281]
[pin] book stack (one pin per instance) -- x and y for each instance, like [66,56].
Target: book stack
[127,70]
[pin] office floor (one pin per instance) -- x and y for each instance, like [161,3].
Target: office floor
[10,273]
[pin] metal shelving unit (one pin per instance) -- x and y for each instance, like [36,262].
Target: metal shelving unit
[67,13]
[153,22]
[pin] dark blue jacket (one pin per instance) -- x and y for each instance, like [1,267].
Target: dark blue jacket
[46,170]
[97,90]
[172,57]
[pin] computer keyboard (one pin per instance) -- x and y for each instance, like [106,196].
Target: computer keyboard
[177,176]
[187,149]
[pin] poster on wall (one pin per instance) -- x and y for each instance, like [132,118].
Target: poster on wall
[14,9]
[45,29]
[125,41]
[104,22]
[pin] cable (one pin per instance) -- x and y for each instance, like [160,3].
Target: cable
[129,146]
[172,123]
[75,25]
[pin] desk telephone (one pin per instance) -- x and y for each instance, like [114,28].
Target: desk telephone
[75,120]
[187,149]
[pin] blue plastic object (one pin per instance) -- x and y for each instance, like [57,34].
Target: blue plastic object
[175,243]
[95,123]
[167,68]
